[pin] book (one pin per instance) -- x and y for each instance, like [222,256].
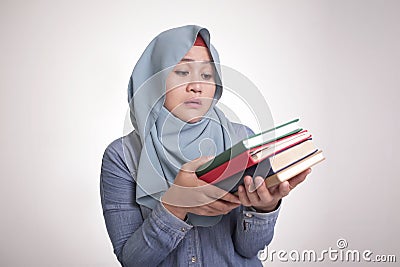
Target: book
[253,156]
[256,140]
[276,157]
[272,134]
[263,169]
[294,169]
[287,157]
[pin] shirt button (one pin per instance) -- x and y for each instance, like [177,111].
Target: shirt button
[194,259]
[248,215]
[183,229]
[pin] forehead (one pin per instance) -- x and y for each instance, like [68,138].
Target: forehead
[198,53]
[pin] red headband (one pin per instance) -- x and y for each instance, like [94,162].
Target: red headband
[199,41]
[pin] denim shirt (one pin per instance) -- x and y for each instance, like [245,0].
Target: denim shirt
[144,237]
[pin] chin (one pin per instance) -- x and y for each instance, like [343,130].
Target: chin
[192,118]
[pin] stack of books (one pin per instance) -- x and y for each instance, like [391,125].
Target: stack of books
[277,154]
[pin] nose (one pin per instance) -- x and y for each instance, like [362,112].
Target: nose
[194,86]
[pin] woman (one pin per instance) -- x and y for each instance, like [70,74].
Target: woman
[156,211]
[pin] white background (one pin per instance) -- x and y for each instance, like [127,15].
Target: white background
[64,71]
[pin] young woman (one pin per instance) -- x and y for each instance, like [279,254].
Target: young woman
[157,212]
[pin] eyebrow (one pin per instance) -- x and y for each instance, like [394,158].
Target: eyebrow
[185,59]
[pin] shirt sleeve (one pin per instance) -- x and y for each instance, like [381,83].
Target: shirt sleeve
[136,242]
[254,230]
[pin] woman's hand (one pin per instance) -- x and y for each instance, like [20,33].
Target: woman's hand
[190,194]
[265,199]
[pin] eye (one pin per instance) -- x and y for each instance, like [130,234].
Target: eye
[181,73]
[206,76]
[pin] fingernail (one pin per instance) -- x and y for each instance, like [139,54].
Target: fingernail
[258,181]
[252,188]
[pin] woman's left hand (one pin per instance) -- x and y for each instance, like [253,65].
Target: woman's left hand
[265,199]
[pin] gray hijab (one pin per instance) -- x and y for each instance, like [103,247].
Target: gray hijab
[168,142]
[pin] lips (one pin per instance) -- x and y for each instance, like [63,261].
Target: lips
[193,102]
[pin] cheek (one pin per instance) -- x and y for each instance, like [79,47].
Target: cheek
[174,82]
[169,100]
[208,96]
[210,91]
[173,98]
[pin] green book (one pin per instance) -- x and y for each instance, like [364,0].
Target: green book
[256,140]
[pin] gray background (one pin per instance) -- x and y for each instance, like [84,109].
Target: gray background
[64,71]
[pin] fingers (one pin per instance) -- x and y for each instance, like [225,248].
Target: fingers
[260,198]
[249,194]
[262,191]
[284,188]
[231,198]
[217,207]
[217,193]
[223,206]
[251,190]
[189,191]
[213,200]
[257,193]
[299,178]
[243,196]
[193,165]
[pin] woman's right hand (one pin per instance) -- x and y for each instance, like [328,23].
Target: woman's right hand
[190,194]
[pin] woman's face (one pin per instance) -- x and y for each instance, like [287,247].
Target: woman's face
[190,86]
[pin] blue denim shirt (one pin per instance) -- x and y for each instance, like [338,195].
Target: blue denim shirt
[144,237]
